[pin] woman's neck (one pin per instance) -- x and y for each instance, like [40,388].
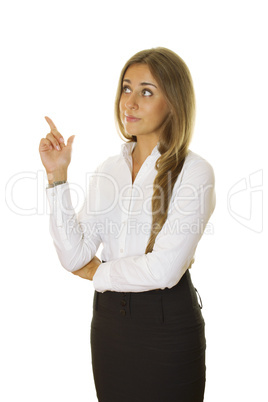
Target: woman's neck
[143,149]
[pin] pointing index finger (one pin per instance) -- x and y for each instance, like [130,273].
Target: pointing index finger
[55,132]
[51,124]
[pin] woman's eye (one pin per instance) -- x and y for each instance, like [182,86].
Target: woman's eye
[146,92]
[126,90]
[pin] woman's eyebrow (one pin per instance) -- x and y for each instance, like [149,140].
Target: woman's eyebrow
[142,83]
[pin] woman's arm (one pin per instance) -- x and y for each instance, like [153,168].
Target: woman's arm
[75,237]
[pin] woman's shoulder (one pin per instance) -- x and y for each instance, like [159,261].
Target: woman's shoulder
[197,166]
[192,159]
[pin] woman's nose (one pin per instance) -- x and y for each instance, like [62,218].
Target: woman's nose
[132,102]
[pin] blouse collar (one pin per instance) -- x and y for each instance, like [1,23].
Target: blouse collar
[128,147]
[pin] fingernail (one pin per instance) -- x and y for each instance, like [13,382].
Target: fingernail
[61,139]
[58,148]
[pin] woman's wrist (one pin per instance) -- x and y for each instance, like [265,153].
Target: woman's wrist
[59,175]
[56,183]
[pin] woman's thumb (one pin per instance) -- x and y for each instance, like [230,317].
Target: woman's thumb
[70,140]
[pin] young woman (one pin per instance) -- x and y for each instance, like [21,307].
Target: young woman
[148,206]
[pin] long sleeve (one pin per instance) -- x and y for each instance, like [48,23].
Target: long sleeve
[192,203]
[75,236]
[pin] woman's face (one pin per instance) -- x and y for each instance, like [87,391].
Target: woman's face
[143,107]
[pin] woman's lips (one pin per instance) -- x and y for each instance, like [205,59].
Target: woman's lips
[131,119]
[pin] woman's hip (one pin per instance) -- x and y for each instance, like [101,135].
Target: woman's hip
[171,315]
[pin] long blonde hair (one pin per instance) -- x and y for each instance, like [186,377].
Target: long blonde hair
[174,78]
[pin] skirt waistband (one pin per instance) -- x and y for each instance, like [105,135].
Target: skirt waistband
[182,297]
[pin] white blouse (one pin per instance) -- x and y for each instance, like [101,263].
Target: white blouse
[118,214]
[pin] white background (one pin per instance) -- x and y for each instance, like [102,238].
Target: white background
[63,59]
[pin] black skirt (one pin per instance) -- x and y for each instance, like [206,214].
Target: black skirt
[149,346]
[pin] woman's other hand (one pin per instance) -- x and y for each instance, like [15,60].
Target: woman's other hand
[89,270]
[55,155]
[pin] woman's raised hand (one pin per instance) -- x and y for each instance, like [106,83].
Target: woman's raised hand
[55,155]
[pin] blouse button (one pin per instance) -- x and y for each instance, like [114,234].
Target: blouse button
[121,250]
